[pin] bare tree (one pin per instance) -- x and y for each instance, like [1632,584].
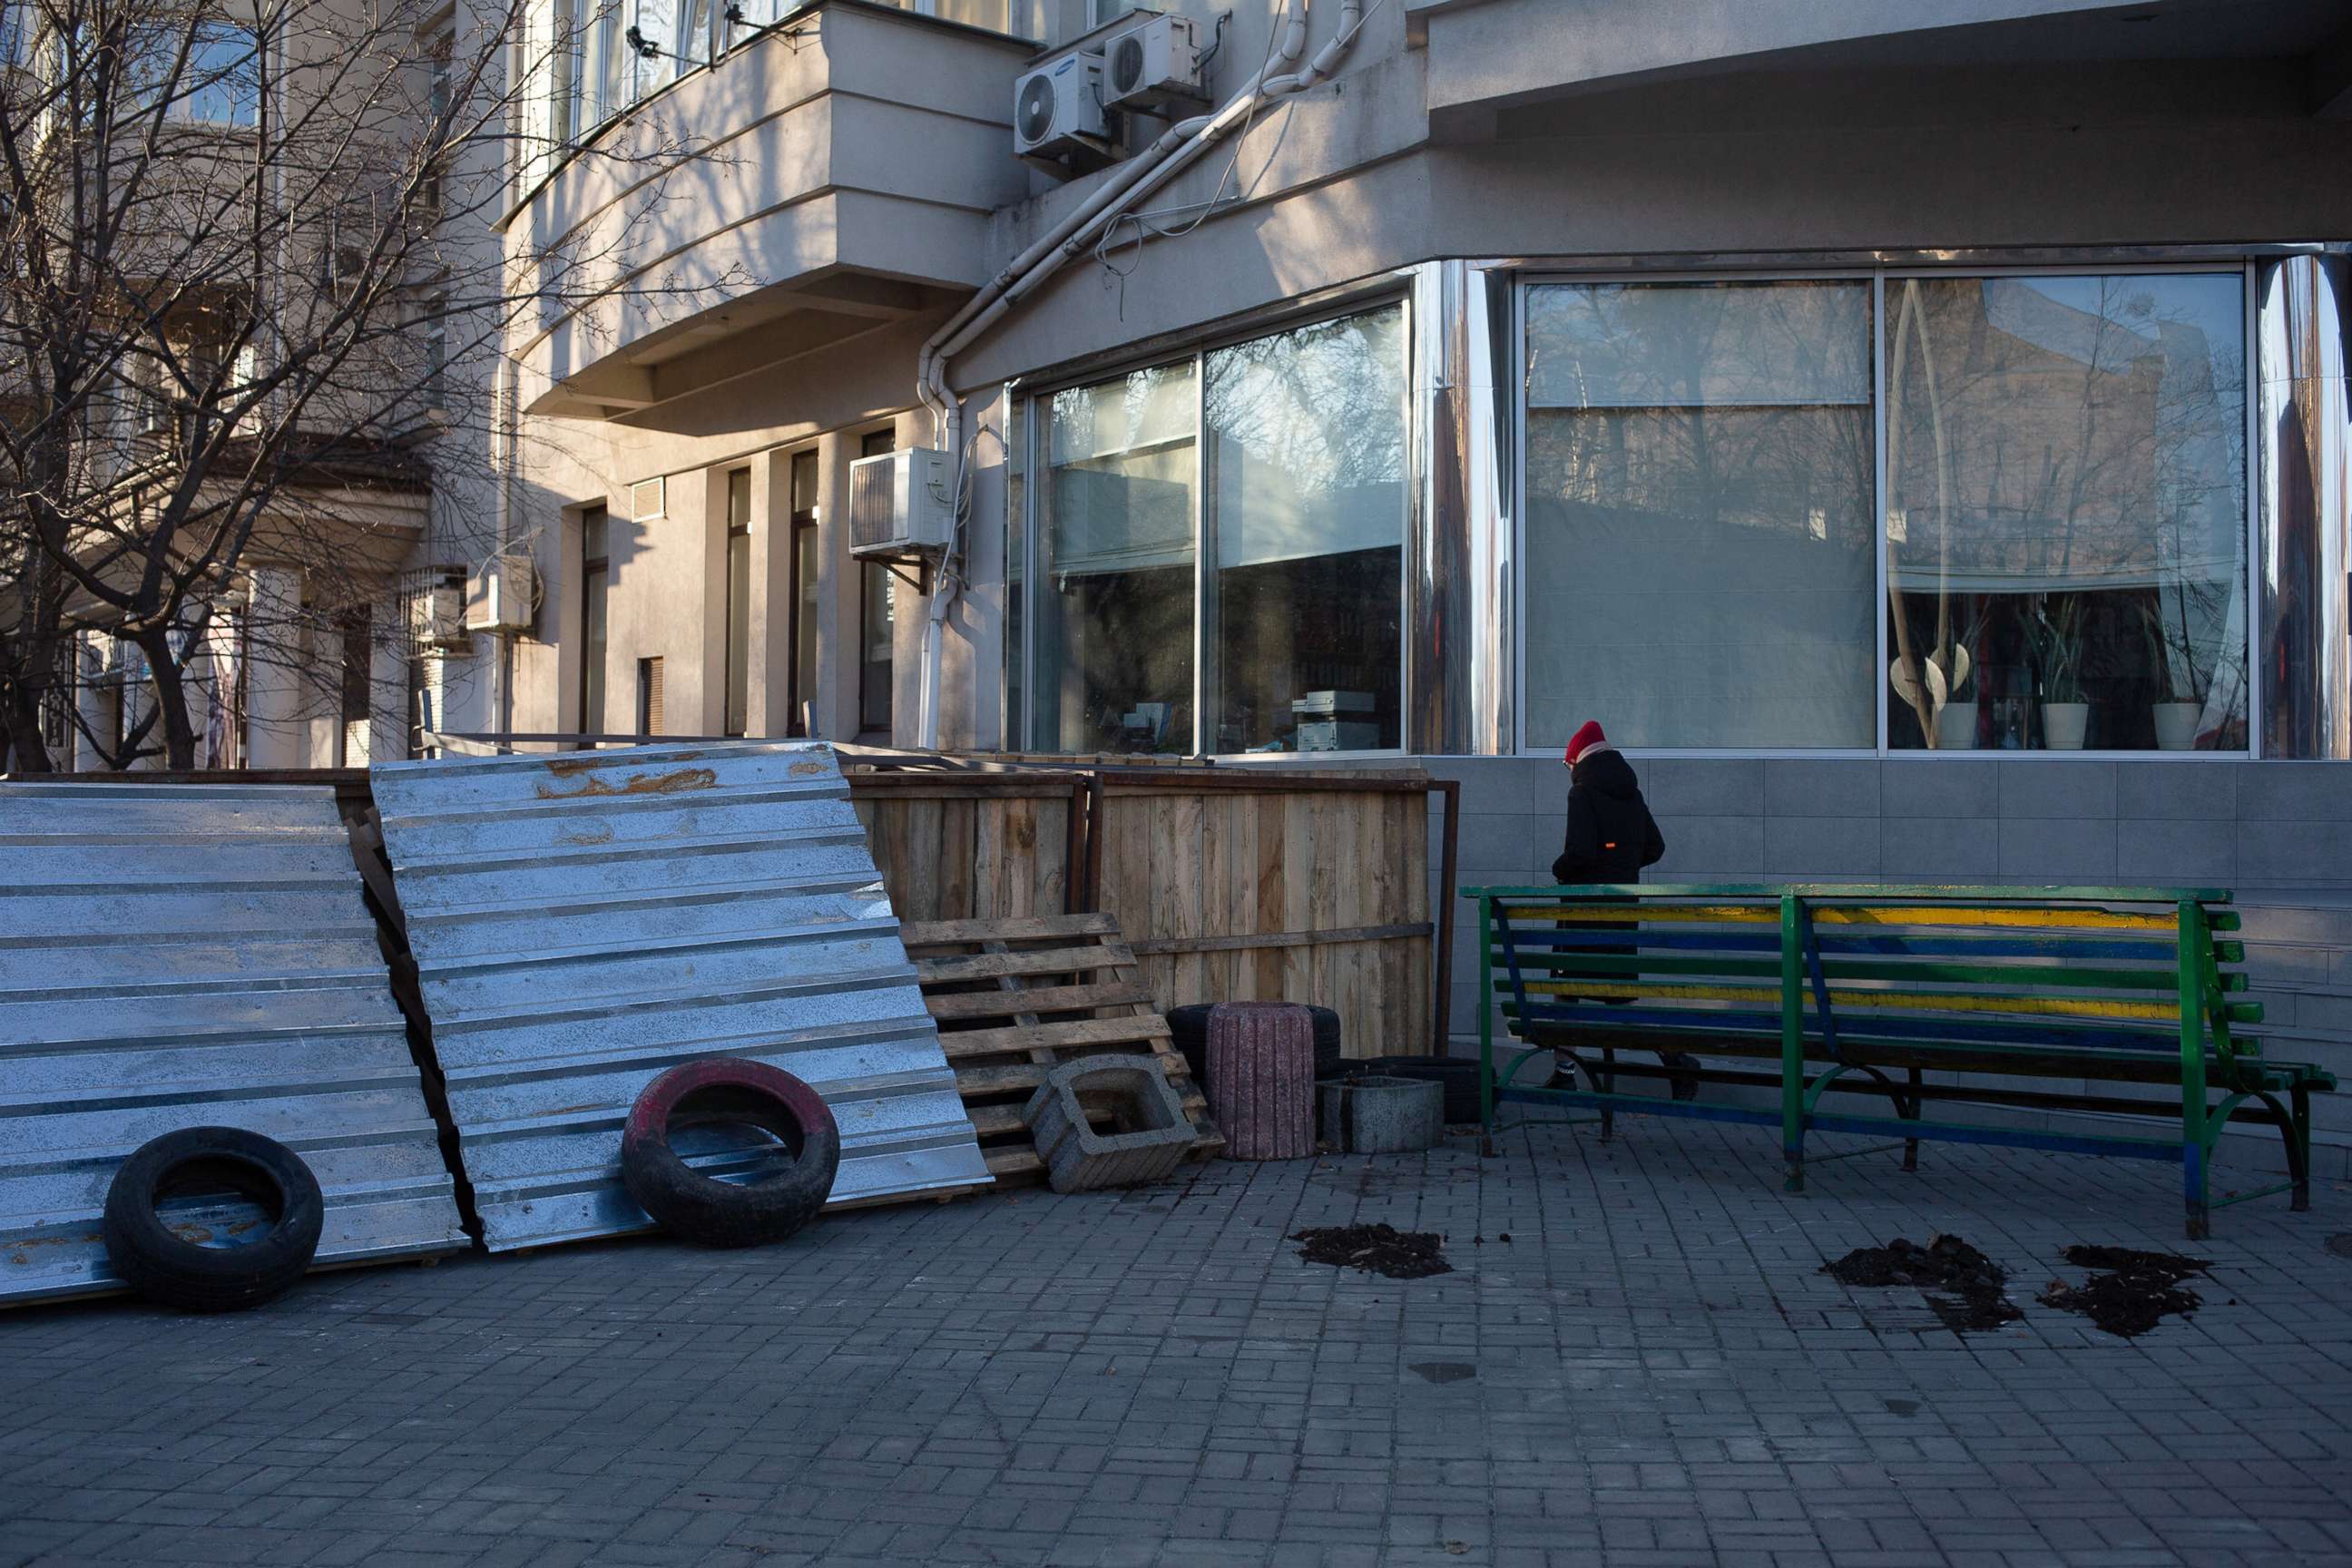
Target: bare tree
[250,306]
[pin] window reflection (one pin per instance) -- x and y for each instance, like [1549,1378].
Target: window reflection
[1306,463]
[2066,524]
[1701,565]
[1114,597]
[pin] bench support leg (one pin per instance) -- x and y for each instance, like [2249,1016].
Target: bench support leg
[2298,1150]
[2195,958]
[1792,1040]
[1911,1113]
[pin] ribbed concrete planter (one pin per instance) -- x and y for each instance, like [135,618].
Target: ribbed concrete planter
[1262,1078]
[1369,1115]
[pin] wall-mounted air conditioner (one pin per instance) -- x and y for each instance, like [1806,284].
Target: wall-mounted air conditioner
[901,502]
[436,612]
[1057,108]
[502,596]
[1154,66]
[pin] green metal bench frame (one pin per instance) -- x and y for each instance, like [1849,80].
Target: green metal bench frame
[1964,1016]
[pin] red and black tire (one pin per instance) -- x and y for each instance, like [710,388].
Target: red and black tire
[703,1209]
[166,1266]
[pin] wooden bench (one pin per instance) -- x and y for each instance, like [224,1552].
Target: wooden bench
[1913,995]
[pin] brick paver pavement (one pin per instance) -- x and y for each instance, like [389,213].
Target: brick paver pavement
[1650,1370]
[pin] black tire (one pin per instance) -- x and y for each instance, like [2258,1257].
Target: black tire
[703,1209]
[1458,1074]
[168,1269]
[1190,1026]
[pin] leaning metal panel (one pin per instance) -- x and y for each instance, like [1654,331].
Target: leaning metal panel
[177,955]
[583,922]
[2305,413]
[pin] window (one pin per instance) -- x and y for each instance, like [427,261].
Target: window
[595,578]
[1254,578]
[878,622]
[2066,525]
[221,82]
[806,574]
[1700,566]
[738,602]
[1306,500]
[1113,609]
[649,696]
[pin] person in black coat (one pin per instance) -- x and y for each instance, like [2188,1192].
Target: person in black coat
[1611,834]
[1612,838]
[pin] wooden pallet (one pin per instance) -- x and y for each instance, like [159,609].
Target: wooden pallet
[1014,998]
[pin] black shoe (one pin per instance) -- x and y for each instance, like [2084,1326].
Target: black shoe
[1686,1086]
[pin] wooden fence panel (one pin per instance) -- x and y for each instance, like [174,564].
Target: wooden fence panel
[1229,886]
[1267,889]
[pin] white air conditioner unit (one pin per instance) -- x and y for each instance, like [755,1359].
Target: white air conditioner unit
[502,596]
[1059,109]
[1154,65]
[901,502]
[436,613]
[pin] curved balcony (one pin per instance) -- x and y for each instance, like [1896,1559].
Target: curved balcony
[1490,60]
[836,172]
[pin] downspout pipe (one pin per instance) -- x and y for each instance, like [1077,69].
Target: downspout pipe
[1175,151]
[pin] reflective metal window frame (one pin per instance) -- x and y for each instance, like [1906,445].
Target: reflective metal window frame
[1326,306]
[1878,268]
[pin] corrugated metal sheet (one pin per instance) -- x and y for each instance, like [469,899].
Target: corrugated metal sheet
[181,956]
[583,922]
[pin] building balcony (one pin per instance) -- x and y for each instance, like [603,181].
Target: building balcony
[834,173]
[1490,62]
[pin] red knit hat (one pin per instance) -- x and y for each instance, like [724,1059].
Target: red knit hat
[1586,740]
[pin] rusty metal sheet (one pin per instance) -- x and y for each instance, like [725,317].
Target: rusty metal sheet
[181,956]
[583,922]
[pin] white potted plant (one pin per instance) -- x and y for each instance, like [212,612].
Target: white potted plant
[2173,652]
[2058,642]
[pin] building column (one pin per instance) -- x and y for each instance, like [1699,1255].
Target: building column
[385,734]
[95,704]
[274,712]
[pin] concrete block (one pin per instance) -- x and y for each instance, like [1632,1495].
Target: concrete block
[1935,783]
[2037,850]
[1938,848]
[1374,1115]
[2290,853]
[2205,790]
[2057,789]
[1822,787]
[1262,1078]
[1150,1135]
[1821,848]
[2177,853]
[1508,840]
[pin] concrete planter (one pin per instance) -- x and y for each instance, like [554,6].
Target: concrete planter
[1368,1115]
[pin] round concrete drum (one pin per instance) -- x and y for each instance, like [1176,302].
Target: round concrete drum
[1262,1078]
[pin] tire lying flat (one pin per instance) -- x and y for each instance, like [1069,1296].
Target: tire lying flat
[167,1267]
[707,1211]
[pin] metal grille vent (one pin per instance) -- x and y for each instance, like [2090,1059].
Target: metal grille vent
[1126,64]
[1036,117]
[873,503]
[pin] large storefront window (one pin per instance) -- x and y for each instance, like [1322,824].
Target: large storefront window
[1700,561]
[1115,590]
[1290,608]
[1305,493]
[2065,527]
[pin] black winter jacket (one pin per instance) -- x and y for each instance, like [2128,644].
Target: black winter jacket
[1611,833]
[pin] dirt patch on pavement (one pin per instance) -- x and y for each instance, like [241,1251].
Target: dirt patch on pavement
[2131,1292]
[1967,1289]
[1376,1249]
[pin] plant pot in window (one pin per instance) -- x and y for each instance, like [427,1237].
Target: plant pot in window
[2063,725]
[1956,727]
[2176,725]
